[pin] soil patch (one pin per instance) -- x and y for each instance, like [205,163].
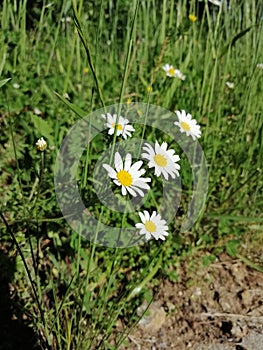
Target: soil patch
[216,307]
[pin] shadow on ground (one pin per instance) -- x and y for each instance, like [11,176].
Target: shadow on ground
[14,331]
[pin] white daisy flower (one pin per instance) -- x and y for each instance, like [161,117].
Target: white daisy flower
[169,70]
[260,65]
[188,125]
[128,176]
[172,72]
[152,226]
[123,128]
[41,144]
[163,160]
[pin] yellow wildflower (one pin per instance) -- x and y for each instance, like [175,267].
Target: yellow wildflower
[192,17]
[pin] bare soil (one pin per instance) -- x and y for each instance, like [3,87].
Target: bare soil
[219,307]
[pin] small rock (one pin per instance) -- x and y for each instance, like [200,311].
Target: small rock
[154,318]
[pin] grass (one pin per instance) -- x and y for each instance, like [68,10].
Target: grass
[53,73]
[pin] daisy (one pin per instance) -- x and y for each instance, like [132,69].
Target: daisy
[128,176]
[169,70]
[172,72]
[123,127]
[152,226]
[163,160]
[188,125]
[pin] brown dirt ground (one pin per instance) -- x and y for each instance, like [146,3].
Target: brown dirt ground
[212,308]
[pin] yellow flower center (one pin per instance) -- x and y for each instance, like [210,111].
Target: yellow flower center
[160,160]
[119,127]
[124,177]
[149,88]
[192,17]
[185,126]
[171,71]
[150,226]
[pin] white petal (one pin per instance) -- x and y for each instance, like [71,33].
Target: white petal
[110,170]
[142,216]
[118,161]
[117,182]
[157,171]
[131,190]
[141,184]
[164,146]
[153,215]
[128,161]
[136,166]
[123,190]
[148,236]
[129,128]
[140,192]
[147,215]
[139,225]
[146,156]
[165,174]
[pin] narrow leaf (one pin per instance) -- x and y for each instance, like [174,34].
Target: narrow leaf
[72,106]
[3,82]
[233,40]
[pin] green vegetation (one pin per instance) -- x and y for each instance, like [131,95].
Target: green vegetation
[56,66]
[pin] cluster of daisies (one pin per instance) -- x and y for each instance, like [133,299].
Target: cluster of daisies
[129,175]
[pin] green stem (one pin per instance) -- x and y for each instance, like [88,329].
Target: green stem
[124,80]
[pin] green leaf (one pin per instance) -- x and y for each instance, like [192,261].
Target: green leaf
[231,247]
[208,259]
[3,82]
[42,127]
[72,106]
